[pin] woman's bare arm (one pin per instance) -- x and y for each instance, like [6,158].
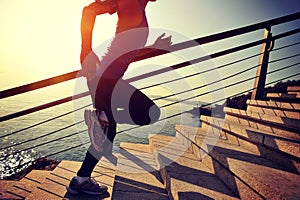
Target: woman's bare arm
[89,14]
[88,58]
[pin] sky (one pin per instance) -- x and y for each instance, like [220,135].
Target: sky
[41,39]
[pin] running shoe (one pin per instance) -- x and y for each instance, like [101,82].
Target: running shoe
[97,124]
[89,186]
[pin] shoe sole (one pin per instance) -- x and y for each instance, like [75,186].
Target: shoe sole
[71,191]
[75,192]
[91,121]
[86,117]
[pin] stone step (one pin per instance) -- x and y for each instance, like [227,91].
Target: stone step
[295,93]
[202,150]
[273,119]
[185,176]
[275,112]
[277,149]
[182,136]
[284,97]
[163,141]
[286,127]
[137,176]
[265,138]
[275,105]
[23,188]
[247,173]
[54,185]
[293,88]
[168,143]
[280,112]
[13,190]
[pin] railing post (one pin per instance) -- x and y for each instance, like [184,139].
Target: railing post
[261,73]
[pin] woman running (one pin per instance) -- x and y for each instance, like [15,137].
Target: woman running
[115,101]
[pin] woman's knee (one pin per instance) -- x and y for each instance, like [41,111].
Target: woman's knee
[146,117]
[154,113]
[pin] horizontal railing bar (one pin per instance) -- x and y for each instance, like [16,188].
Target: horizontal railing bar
[285,34]
[286,67]
[291,76]
[41,107]
[41,136]
[250,28]
[227,86]
[286,46]
[38,84]
[43,122]
[205,93]
[197,60]
[201,72]
[211,83]
[222,35]
[175,47]
[136,127]
[249,90]
[41,144]
[234,32]
[61,151]
[64,150]
[284,58]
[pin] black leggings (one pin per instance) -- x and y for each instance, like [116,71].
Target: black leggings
[122,103]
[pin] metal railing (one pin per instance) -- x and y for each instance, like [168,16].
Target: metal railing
[291,61]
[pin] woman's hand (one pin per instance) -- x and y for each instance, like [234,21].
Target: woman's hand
[89,62]
[162,43]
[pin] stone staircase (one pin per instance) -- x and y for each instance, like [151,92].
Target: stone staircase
[40,184]
[252,154]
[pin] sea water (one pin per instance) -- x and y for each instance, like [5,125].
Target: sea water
[60,133]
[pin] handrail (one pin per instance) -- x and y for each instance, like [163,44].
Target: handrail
[139,77]
[160,71]
[173,48]
[37,85]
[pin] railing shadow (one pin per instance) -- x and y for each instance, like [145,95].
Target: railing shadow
[248,158]
[129,185]
[196,179]
[269,149]
[193,195]
[143,164]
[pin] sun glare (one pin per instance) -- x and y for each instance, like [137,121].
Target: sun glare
[40,39]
